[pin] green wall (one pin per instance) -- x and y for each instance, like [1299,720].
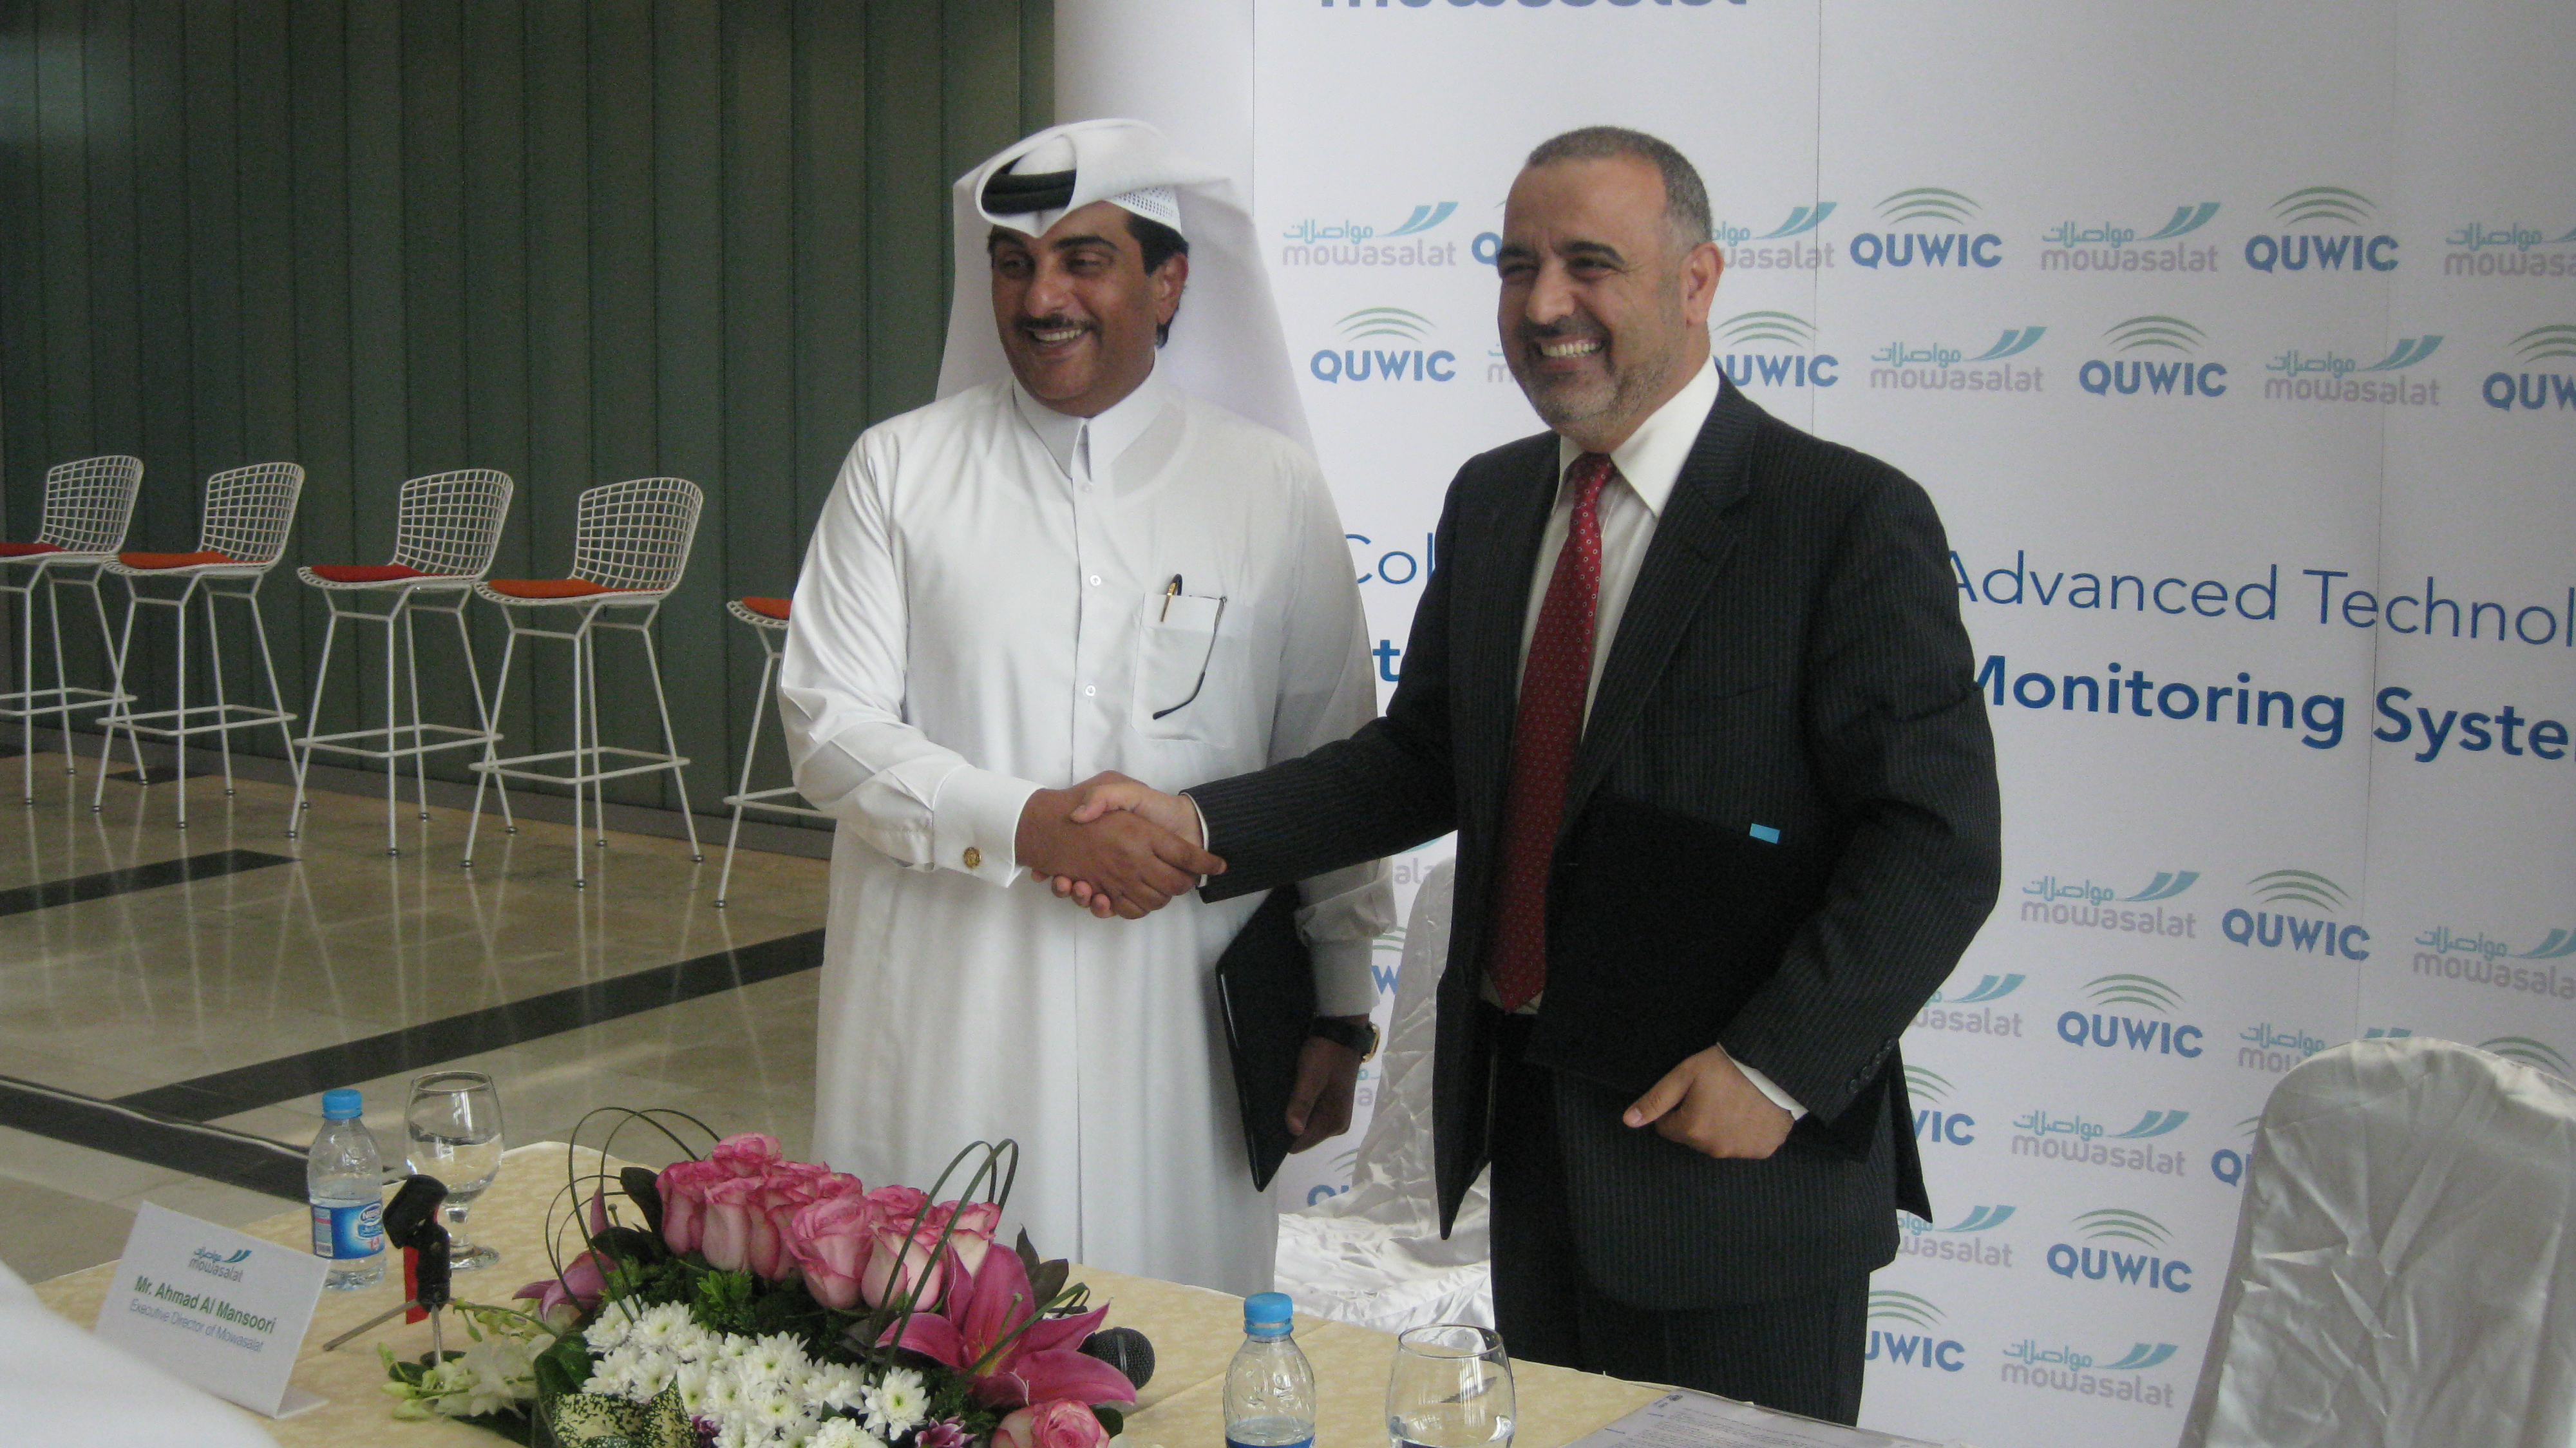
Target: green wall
[577,242]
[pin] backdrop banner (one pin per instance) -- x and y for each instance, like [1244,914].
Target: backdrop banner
[2237,345]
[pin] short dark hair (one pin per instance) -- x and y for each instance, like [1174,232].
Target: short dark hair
[1685,197]
[1156,244]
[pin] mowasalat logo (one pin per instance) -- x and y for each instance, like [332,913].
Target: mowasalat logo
[2111,247]
[1926,1347]
[1990,987]
[2075,1139]
[1774,349]
[1383,364]
[2070,1370]
[1939,367]
[2323,229]
[1927,227]
[2442,939]
[2510,249]
[1962,1242]
[1949,1013]
[2153,376]
[2333,376]
[1319,241]
[2539,1055]
[1791,246]
[2116,1030]
[2536,386]
[2482,961]
[2087,905]
[2151,1124]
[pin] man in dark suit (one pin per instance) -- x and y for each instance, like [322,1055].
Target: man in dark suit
[1691,687]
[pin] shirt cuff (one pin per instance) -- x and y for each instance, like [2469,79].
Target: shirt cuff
[975,824]
[1769,1088]
[1344,984]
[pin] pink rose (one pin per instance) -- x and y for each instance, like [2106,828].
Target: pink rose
[750,1154]
[830,1240]
[1051,1424]
[971,1234]
[899,1205]
[902,1265]
[683,1185]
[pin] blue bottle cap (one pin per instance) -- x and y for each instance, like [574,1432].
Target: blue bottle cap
[1267,1313]
[342,1104]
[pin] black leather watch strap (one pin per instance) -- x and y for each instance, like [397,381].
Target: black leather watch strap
[1359,1035]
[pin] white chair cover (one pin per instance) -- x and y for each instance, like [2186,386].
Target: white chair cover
[59,1384]
[2404,1262]
[1374,1255]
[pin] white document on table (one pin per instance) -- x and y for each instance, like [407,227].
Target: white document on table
[1684,1419]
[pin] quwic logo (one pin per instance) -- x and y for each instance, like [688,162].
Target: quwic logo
[1948,1013]
[1924,1348]
[1963,1242]
[2513,249]
[2487,962]
[2088,906]
[2334,377]
[1314,242]
[2109,1264]
[2115,1030]
[2536,391]
[1788,357]
[2071,1371]
[2110,247]
[2153,376]
[1928,241]
[1939,368]
[2307,244]
[2280,929]
[1933,1126]
[1748,252]
[1399,363]
[2092,1143]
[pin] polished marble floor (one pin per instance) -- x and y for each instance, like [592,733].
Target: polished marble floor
[172,1003]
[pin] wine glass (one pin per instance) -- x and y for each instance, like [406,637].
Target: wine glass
[455,1125]
[1451,1388]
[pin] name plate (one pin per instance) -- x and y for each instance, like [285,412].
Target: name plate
[215,1308]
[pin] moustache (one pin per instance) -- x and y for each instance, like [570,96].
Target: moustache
[1560,331]
[1055,322]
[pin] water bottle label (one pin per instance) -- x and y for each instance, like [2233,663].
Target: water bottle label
[1306,1442]
[341,1233]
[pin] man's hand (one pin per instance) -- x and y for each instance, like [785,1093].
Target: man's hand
[1108,793]
[1130,865]
[1319,1106]
[1706,1104]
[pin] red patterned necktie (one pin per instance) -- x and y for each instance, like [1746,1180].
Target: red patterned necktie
[1554,682]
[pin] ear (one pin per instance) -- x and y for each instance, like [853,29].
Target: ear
[1169,280]
[1700,271]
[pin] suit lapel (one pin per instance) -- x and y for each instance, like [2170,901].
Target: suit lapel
[1690,549]
[1497,556]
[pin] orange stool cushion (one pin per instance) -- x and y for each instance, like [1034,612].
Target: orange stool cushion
[365,572]
[768,607]
[30,550]
[170,560]
[550,587]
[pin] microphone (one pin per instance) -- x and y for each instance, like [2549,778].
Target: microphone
[1125,1349]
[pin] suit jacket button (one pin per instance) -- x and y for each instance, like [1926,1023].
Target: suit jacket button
[974,858]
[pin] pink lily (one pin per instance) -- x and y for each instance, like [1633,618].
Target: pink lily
[579,1287]
[981,1335]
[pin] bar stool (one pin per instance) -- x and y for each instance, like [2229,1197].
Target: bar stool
[87,506]
[247,514]
[768,620]
[446,526]
[630,544]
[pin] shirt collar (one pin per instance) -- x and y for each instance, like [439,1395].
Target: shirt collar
[1652,457]
[1111,432]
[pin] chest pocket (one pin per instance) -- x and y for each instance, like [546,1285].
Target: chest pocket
[1175,644]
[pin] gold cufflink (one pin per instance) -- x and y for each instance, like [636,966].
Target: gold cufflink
[974,858]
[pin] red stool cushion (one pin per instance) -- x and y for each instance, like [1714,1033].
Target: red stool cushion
[550,587]
[768,607]
[30,550]
[170,560]
[365,572]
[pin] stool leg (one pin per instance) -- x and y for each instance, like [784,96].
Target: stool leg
[393,761]
[313,716]
[671,743]
[420,759]
[116,672]
[276,696]
[223,705]
[750,751]
[483,717]
[62,681]
[580,680]
[107,739]
[500,692]
[179,742]
[26,679]
[590,689]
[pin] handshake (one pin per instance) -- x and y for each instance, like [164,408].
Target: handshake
[1114,846]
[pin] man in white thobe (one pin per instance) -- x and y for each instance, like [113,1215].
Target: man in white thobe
[1066,565]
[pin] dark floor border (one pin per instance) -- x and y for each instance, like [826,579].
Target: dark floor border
[47,894]
[415,1048]
[231,1157]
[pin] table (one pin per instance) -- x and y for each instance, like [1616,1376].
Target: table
[1194,1332]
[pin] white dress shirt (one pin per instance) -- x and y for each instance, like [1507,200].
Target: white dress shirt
[999,598]
[1648,464]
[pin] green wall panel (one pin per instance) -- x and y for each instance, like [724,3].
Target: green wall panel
[575,240]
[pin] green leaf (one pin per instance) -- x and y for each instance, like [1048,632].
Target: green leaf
[1110,1418]
[1029,1258]
[632,1246]
[1046,1280]
[643,1188]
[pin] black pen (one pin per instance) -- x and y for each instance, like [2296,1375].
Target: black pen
[1169,589]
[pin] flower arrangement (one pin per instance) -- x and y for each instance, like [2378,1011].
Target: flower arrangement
[762,1301]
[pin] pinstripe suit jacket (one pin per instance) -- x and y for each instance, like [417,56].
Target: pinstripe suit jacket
[1791,656]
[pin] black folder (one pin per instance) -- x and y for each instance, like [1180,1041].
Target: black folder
[1265,983]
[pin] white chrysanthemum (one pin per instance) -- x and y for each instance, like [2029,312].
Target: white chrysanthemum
[843,1433]
[724,1397]
[658,1324]
[740,1434]
[898,1403]
[775,1358]
[691,1379]
[691,1343]
[729,1348]
[837,1386]
[611,1330]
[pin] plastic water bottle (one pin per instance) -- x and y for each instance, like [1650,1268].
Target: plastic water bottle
[1270,1389]
[344,1179]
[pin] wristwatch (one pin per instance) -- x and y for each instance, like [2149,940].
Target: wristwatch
[1356,1035]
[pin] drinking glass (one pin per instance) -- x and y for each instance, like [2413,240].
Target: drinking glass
[455,1125]
[1451,1388]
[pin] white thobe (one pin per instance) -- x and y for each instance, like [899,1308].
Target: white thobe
[1000,598]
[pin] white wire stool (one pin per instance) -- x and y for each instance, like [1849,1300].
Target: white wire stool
[248,513]
[630,545]
[446,527]
[768,619]
[87,506]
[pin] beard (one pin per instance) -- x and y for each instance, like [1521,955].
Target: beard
[1622,390]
